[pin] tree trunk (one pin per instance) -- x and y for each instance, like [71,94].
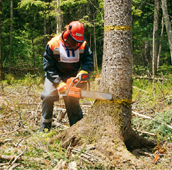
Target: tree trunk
[11,34]
[155,37]
[1,66]
[95,50]
[147,58]
[33,48]
[117,68]
[108,124]
[167,24]
[45,30]
[58,18]
[159,51]
[117,61]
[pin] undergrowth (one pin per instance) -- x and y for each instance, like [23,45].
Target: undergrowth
[155,101]
[158,125]
[19,123]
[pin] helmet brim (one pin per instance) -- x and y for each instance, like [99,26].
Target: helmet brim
[77,40]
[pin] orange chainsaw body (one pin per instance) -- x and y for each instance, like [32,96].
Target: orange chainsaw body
[74,86]
[73,91]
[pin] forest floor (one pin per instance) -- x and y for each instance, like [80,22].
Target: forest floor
[23,147]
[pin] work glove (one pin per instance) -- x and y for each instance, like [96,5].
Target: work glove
[82,72]
[61,87]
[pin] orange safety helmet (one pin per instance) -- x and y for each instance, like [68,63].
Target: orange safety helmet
[73,32]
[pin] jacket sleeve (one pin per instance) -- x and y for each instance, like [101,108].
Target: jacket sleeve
[50,67]
[87,62]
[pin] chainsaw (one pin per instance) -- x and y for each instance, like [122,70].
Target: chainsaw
[73,89]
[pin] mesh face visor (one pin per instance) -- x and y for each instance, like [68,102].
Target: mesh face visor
[71,43]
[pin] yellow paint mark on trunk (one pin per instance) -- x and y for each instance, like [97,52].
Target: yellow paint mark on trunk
[123,28]
[117,101]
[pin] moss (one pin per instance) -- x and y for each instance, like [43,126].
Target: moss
[102,120]
[115,146]
[86,138]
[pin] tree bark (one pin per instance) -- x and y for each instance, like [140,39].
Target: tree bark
[118,58]
[1,66]
[11,34]
[159,51]
[45,31]
[167,24]
[95,47]
[33,47]
[58,18]
[155,37]
[117,68]
[147,53]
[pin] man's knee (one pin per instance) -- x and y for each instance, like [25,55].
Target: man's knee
[45,96]
[49,97]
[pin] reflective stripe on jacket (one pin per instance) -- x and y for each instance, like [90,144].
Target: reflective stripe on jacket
[57,67]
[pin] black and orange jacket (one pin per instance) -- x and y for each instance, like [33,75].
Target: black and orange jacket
[56,70]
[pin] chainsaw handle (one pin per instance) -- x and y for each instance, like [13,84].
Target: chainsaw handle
[80,79]
[77,81]
[88,81]
[67,91]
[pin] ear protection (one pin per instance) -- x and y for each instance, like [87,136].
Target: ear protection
[66,32]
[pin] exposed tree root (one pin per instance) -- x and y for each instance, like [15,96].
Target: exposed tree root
[104,130]
[135,141]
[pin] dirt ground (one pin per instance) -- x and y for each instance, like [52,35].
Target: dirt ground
[20,120]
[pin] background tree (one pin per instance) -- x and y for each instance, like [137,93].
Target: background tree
[143,15]
[1,68]
[155,37]
[167,24]
[155,42]
[58,18]
[11,33]
[160,43]
[29,42]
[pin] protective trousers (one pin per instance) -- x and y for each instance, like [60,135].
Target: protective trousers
[49,96]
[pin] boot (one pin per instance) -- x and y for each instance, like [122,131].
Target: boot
[44,126]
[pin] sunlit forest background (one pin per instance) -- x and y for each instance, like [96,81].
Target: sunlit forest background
[27,25]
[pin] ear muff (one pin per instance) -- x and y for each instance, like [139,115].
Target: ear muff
[70,26]
[66,32]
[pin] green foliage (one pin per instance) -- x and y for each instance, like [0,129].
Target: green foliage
[28,3]
[136,12]
[39,151]
[9,78]
[101,4]
[158,125]
[27,80]
[29,41]
[68,3]
[164,69]
[152,100]
[31,79]
[143,12]
[141,70]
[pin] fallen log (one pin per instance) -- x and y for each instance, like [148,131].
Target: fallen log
[144,132]
[149,78]
[19,158]
[140,89]
[141,115]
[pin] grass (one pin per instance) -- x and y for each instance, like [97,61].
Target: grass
[19,122]
[155,103]
[158,125]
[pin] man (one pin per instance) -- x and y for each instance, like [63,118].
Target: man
[67,55]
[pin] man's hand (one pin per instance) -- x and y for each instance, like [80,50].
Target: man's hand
[82,72]
[61,87]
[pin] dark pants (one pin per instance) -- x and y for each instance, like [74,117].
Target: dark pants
[49,96]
